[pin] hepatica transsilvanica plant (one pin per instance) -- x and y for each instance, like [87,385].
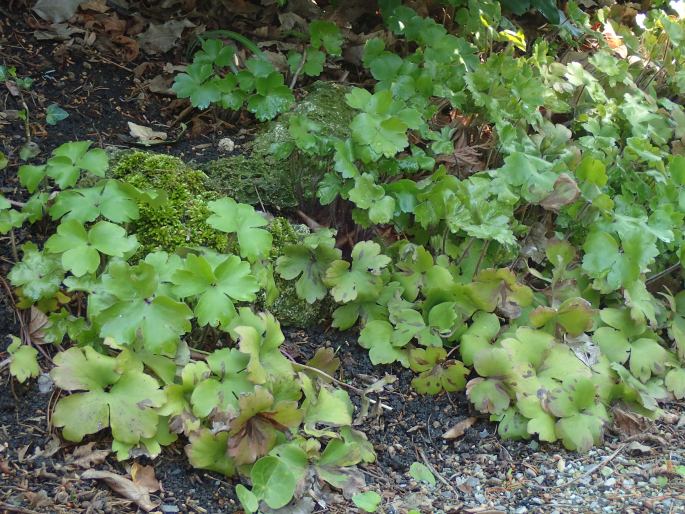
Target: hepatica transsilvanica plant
[529,283]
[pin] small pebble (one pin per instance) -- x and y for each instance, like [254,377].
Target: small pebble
[226,145]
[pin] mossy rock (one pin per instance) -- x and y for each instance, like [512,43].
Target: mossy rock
[179,222]
[259,177]
[288,308]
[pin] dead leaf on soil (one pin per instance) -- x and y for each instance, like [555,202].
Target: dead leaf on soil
[53,446]
[161,85]
[85,457]
[124,487]
[459,429]
[628,423]
[95,5]
[38,322]
[289,20]
[57,32]
[162,38]
[38,499]
[146,135]
[114,25]
[639,448]
[144,476]
[56,10]
[4,468]
[128,48]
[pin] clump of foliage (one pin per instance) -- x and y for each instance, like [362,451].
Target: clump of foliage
[214,76]
[521,270]
[245,408]
[533,275]
[288,307]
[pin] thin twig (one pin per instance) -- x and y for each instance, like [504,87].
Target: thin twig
[584,475]
[339,382]
[27,125]
[435,471]
[299,69]
[15,254]
[481,256]
[310,222]
[6,507]
[663,273]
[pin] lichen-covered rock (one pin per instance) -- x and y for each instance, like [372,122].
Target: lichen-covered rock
[284,183]
[182,220]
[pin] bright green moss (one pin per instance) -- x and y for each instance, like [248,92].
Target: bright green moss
[182,220]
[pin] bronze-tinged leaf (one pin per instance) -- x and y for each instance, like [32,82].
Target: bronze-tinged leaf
[459,429]
[565,192]
[254,439]
[325,360]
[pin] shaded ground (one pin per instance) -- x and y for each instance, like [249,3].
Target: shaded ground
[477,473]
[480,472]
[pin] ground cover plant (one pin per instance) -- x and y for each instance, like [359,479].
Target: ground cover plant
[507,211]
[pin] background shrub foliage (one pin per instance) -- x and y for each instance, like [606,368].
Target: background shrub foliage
[534,284]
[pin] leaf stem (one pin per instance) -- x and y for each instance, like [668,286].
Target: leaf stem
[339,382]
[299,69]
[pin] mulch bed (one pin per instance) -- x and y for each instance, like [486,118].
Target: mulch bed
[477,473]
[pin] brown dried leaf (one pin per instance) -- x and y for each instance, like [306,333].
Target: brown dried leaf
[161,84]
[459,429]
[615,41]
[113,25]
[146,135]
[628,423]
[162,38]
[144,476]
[85,457]
[38,499]
[128,48]
[124,487]
[36,326]
[95,5]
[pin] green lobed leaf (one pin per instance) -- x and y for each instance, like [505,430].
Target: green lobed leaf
[23,360]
